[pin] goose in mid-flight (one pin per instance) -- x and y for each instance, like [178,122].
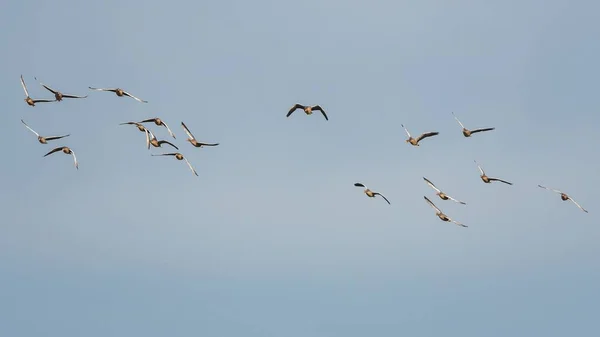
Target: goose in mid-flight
[193,140]
[57,94]
[308,109]
[159,122]
[41,139]
[564,197]
[120,92]
[487,179]
[466,132]
[151,139]
[415,141]
[179,156]
[30,100]
[65,150]
[370,193]
[440,214]
[441,194]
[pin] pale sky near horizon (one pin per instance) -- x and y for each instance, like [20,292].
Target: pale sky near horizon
[273,239]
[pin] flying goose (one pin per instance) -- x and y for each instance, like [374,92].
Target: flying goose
[564,197]
[307,110]
[370,193]
[30,100]
[440,214]
[120,92]
[415,141]
[159,122]
[57,94]
[138,125]
[487,179]
[179,156]
[151,139]
[65,150]
[466,132]
[441,194]
[43,140]
[193,140]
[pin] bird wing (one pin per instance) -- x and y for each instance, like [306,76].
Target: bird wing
[318,108]
[137,99]
[376,193]
[500,180]
[190,166]
[43,100]
[455,200]
[75,159]
[207,144]
[427,134]
[296,106]
[53,150]
[27,126]
[550,189]
[148,120]
[57,137]
[74,96]
[104,89]
[408,133]
[168,129]
[431,184]
[164,154]
[167,142]
[461,124]
[359,185]
[187,131]
[24,86]
[45,86]
[482,130]
[147,138]
[432,204]
[479,167]
[575,202]
[458,223]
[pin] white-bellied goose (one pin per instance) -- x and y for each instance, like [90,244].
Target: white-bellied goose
[564,197]
[179,156]
[370,193]
[415,141]
[120,92]
[441,194]
[65,150]
[159,122]
[57,94]
[441,215]
[30,100]
[193,140]
[41,139]
[487,179]
[308,109]
[466,132]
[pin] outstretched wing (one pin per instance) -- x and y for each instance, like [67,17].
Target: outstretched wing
[43,100]
[458,201]
[168,129]
[359,185]
[581,208]
[461,124]
[458,223]
[432,204]
[187,131]
[24,86]
[500,180]
[104,89]
[27,126]
[53,150]
[550,189]
[318,108]
[147,138]
[45,86]
[376,193]
[74,96]
[431,184]
[167,142]
[137,99]
[190,166]
[164,154]
[75,159]
[296,106]
[208,144]
[408,133]
[427,134]
[482,130]
[479,167]
[57,137]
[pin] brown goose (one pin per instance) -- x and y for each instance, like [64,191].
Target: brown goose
[193,140]
[65,150]
[138,125]
[159,122]
[466,132]
[440,214]
[30,100]
[308,109]
[57,94]
[120,92]
[43,140]
[441,194]
[487,179]
[415,141]
[564,197]
[370,193]
[179,156]
[151,139]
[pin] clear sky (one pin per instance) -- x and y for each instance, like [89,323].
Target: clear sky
[273,239]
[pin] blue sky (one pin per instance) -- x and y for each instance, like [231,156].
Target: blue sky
[273,239]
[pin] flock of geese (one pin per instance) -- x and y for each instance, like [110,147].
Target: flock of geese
[308,110]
